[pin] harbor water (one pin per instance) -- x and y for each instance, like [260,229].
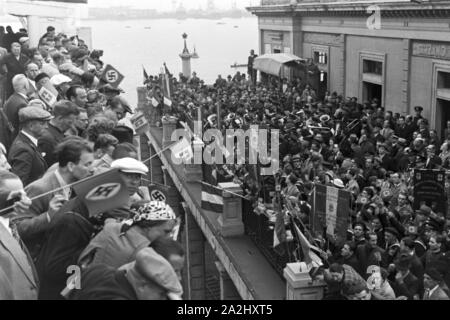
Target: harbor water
[129,44]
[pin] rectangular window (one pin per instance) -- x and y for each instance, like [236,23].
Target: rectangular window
[375,67]
[320,57]
[443,80]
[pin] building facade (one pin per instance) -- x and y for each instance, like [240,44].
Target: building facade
[396,51]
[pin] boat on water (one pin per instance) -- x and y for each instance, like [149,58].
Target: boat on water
[147,27]
[236,26]
[220,22]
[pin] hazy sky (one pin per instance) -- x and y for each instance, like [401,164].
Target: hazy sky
[165,5]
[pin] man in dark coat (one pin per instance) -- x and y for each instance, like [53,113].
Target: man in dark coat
[24,157]
[369,254]
[66,113]
[15,63]
[406,284]
[252,72]
[16,102]
[68,234]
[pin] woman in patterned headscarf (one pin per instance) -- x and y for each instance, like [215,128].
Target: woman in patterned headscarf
[118,243]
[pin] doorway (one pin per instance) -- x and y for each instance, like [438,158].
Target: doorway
[371,91]
[323,84]
[443,112]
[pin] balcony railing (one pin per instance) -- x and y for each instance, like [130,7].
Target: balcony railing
[261,230]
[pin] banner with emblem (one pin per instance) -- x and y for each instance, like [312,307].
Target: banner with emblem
[429,189]
[48,94]
[330,211]
[103,192]
[112,76]
[158,192]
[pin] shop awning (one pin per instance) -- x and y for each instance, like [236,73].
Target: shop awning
[273,63]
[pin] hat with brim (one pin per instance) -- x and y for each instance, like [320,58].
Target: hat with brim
[392,231]
[41,76]
[130,165]
[338,183]
[22,40]
[34,114]
[123,134]
[433,225]
[434,274]
[424,210]
[59,79]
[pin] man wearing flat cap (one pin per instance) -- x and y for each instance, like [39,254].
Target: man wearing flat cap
[132,171]
[25,158]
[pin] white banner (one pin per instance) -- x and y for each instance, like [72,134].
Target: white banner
[48,96]
[331,209]
[155,102]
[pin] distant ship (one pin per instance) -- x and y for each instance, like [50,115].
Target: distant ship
[221,22]
[147,27]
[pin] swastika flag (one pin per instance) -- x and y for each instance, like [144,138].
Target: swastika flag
[112,76]
[158,192]
[103,192]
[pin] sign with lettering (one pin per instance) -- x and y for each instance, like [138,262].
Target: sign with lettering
[432,50]
[139,122]
[273,37]
[429,189]
[330,211]
[102,192]
[112,76]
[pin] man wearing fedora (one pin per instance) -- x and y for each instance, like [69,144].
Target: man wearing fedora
[432,282]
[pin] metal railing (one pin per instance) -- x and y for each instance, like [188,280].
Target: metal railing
[261,230]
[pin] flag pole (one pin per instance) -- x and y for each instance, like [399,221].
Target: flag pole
[219,124]
[70,185]
[159,153]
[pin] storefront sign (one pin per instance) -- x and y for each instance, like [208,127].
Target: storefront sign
[273,37]
[429,189]
[432,50]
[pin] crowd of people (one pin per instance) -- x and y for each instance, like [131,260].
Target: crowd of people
[51,247]
[390,251]
[358,147]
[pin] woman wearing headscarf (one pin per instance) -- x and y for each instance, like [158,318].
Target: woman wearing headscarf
[118,243]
